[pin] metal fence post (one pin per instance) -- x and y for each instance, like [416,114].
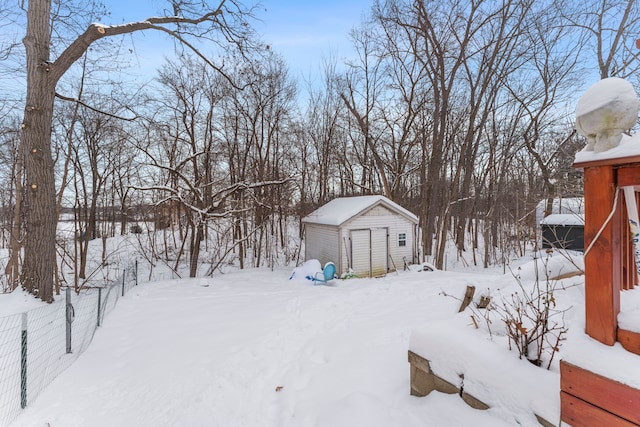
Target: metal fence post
[136,273]
[23,363]
[124,276]
[70,315]
[99,304]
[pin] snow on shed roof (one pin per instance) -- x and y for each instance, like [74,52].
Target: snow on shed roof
[340,210]
[561,205]
[564,219]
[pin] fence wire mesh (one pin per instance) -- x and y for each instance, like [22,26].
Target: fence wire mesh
[38,345]
[10,366]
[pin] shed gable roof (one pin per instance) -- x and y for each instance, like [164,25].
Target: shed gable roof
[340,210]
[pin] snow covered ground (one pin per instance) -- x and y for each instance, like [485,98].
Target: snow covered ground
[253,348]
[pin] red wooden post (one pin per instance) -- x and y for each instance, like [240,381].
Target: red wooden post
[603,262]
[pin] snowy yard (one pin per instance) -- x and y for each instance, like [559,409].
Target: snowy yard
[253,348]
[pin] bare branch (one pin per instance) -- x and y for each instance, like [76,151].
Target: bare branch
[97,31]
[77,101]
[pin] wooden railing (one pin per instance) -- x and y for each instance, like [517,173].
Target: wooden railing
[628,274]
[587,398]
[609,257]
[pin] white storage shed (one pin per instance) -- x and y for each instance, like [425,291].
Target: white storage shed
[370,235]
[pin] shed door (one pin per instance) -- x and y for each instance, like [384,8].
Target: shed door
[360,252]
[369,252]
[379,251]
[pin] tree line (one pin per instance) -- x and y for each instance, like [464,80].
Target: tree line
[461,112]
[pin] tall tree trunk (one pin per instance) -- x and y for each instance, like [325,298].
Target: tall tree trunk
[238,238]
[40,224]
[196,236]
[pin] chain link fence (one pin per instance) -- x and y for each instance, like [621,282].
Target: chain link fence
[38,345]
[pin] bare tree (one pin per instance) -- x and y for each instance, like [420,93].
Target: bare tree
[96,153]
[323,127]
[190,145]
[12,156]
[364,84]
[398,98]
[466,55]
[257,132]
[609,29]
[444,97]
[223,23]
[538,90]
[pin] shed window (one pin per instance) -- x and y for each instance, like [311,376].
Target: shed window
[402,239]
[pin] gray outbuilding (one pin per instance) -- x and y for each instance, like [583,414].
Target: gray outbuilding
[563,231]
[367,235]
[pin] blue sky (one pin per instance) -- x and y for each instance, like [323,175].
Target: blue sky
[303,32]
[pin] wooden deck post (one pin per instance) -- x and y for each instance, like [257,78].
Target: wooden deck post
[603,261]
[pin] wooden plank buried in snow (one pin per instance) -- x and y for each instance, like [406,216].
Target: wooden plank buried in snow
[579,413]
[602,392]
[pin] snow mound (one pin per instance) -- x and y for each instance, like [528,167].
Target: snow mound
[552,266]
[603,92]
[305,272]
[606,110]
[461,356]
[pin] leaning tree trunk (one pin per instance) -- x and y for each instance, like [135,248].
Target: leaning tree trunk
[40,224]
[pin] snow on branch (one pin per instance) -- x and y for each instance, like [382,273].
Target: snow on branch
[212,209]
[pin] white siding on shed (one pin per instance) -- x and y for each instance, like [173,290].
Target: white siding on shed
[324,243]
